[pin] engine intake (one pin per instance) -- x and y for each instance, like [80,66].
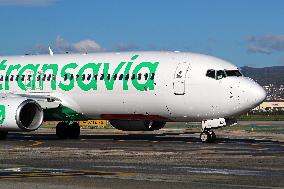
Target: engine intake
[29,115]
[20,114]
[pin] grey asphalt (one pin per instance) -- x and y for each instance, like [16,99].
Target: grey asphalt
[170,158]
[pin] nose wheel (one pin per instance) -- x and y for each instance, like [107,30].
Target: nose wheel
[208,136]
[65,130]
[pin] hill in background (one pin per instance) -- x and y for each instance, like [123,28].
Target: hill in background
[265,76]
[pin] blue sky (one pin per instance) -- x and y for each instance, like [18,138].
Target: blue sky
[245,32]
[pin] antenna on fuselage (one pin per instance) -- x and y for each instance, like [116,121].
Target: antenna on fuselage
[50,51]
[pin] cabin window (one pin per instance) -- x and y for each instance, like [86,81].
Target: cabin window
[146,76]
[102,77]
[38,77]
[114,76]
[96,77]
[89,77]
[65,77]
[29,77]
[71,76]
[49,77]
[126,77]
[44,77]
[84,77]
[77,77]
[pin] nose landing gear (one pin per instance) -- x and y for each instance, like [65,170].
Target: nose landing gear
[208,136]
[68,130]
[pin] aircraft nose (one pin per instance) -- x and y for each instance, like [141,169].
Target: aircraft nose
[259,93]
[256,93]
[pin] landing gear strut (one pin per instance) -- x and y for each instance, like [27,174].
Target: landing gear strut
[65,130]
[208,136]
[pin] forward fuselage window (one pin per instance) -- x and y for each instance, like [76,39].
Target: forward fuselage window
[219,74]
[232,73]
[210,73]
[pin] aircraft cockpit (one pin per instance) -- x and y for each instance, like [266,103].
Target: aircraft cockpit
[220,74]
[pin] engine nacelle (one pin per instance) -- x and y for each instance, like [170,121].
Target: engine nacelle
[20,114]
[137,125]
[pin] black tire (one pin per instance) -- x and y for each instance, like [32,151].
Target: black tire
[62,130]
[3,135]
[213,136]
[156,125]
[205,137]
[74,130]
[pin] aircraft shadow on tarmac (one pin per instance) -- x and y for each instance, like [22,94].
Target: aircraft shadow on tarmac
[163,137]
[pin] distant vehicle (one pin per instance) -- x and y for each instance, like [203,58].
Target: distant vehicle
[136,91]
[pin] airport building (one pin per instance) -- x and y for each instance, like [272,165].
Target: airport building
[271,105]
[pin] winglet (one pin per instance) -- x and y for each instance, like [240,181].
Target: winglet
[50,51]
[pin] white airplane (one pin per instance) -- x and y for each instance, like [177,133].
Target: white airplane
[136,91]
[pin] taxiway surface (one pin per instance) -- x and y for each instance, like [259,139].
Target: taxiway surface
[163,159]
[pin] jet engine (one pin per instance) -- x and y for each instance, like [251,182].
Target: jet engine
[20,114]
[137,125]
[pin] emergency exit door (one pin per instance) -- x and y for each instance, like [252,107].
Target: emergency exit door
[180,78]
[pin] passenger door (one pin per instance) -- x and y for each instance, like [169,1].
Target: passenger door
[180,77]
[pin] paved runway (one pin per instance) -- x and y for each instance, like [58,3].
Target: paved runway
[163,159]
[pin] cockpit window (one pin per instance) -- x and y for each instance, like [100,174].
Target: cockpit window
[210,73]
[231,73]
[220,74]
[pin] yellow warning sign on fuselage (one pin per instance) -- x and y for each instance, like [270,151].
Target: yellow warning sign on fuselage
[93,123]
